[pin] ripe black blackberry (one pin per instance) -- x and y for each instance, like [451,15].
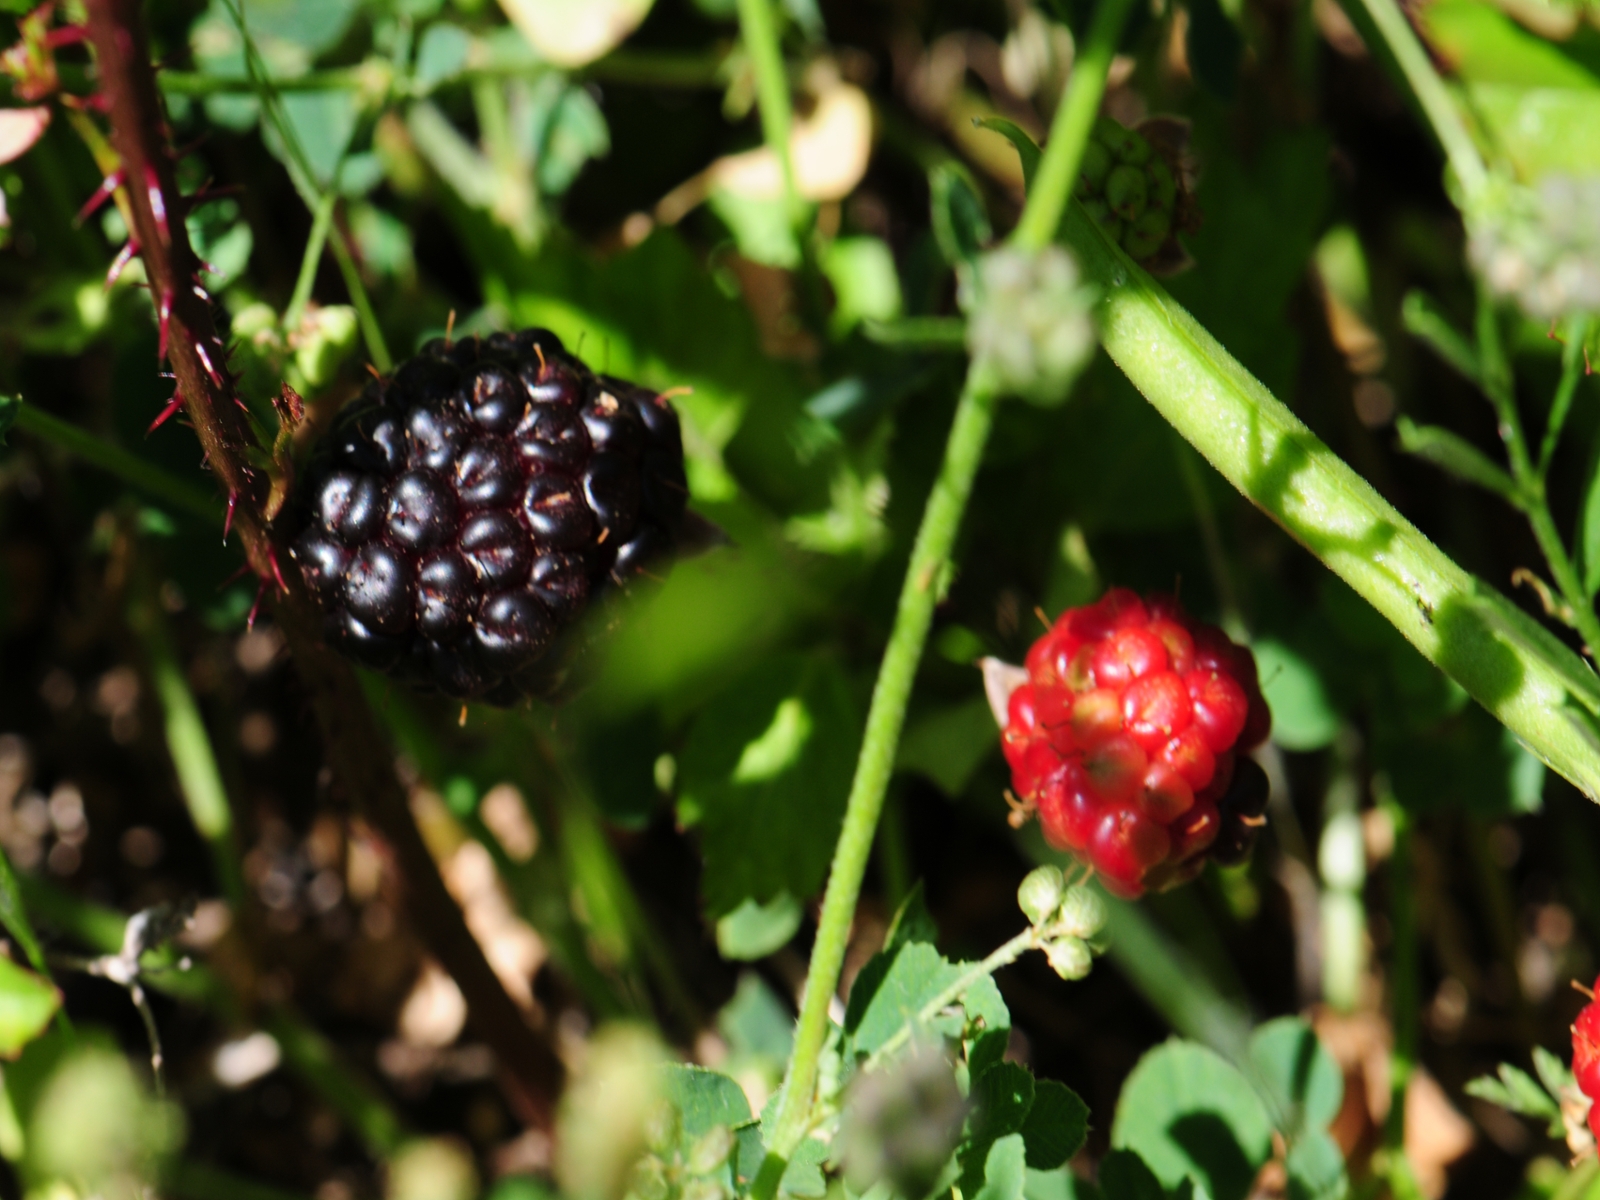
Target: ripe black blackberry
[467,509]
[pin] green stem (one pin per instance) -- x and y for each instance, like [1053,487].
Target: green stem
[1499,385]
[1431,94]
[116,461]
[321,220]
[1573,369]
[760,35]
[1512,665]
[199,778]
[925,580]
[1030,938]
[371,331]
[924,583]
[1403,1010]
[1069,131]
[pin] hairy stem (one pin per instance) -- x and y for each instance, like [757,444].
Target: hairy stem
[356,751]
[1514,667]
[925,579]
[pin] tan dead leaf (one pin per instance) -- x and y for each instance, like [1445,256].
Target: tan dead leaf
[830,149]
[1436,1134]
[571,33]
[20,128]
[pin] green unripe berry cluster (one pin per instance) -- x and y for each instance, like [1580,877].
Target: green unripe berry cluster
[1067,918]
[1128,188]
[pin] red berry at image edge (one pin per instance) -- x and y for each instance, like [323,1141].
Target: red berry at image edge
[1586,1057]
[1128,738]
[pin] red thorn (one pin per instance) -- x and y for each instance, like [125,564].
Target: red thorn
[205,361]
[227,521]
[235,577]
[165,415]
[104,192]
[164,320]
[158,201]
[272,557]
[120,263]
[66,35]
[250,621]
[94,102]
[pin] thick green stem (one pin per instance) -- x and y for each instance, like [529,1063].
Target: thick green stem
[1513,666]
[199,778]
[1431,94]
[116,461]
[772,92]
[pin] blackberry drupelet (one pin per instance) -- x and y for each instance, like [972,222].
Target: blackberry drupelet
[465,512]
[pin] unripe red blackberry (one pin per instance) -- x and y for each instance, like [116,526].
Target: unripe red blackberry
[1124,738]
[466,510]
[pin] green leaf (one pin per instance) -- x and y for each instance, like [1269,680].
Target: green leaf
[755,1023]
[985,1050]
[1004,1170]
[704,1099]
[762,227]
[10,406]
[960,222]
[441,54]
[1517,1091]
[1187,1111]
[14,916]
[1214,47]
[866,286]
[949,744]
[1056,1124]
[1316,1168]
[803,1176]
[1456,455]
[1484,45]
[322,124]
[891,989]
[1427,322]
[754,930]
[27,1003]
[1060,1184]
[1124,1176]
[1542,129]
[912,922]
[1302,1079]
[1002,1097]
[1553,1073]
[1027,149]
[1303,717]
[1464,763]
[1589,533]
[765,773]
[569,129]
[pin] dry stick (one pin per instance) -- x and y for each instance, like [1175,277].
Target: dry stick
[356,750]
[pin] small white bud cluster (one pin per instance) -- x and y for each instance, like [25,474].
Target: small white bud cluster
[1540,244]
[1028,327]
